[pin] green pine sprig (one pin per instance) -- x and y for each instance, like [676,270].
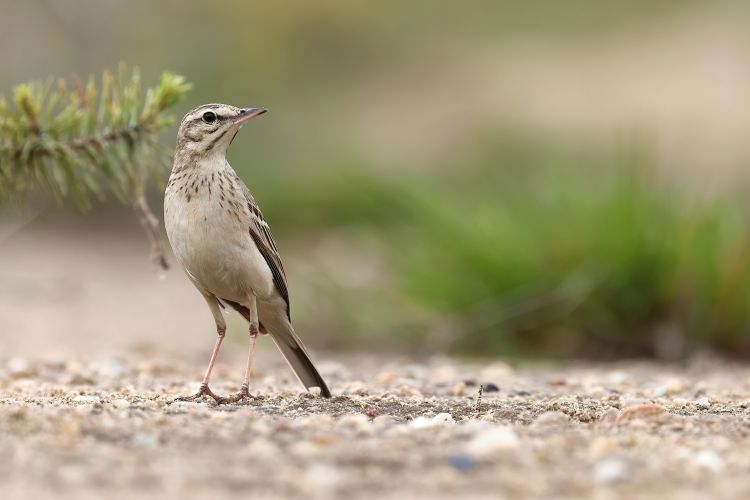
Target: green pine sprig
[84,141]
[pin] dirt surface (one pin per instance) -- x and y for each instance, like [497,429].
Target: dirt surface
[392,430]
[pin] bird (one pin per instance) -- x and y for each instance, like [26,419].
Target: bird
[222,241]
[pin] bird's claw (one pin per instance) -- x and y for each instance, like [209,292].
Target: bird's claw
[243,393]
[202,391]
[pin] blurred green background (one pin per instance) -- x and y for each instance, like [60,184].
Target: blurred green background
[544,178]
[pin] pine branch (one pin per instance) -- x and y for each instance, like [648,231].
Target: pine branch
[82,142]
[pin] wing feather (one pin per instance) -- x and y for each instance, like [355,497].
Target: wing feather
[261,234]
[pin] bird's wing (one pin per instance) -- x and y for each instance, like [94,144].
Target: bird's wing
[261,234]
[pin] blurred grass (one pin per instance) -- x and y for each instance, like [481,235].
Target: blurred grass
[528,251]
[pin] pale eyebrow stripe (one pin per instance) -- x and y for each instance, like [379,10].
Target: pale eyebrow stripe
[200,116]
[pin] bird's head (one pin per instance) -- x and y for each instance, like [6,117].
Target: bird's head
[209,129]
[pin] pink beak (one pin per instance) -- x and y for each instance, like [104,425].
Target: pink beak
[248,114]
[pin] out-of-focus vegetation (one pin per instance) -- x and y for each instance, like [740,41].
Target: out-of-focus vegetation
[546,253]
[447,176]
[83,141]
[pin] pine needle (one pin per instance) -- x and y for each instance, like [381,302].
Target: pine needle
[87,142]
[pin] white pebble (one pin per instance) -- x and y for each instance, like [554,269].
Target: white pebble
[443,419]
[552,418]
[702,402]
[670,387]
[315,391]
[618,378]
[145,440]
[19,367]
[323,476]
[495,441]
[439,420]
[709,460]
[421,423]
[357,422]
[611,470]
[121,403]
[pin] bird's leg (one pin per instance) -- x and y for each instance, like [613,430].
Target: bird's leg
[244,391]
[221,329]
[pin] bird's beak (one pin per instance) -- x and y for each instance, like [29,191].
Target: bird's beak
[248,114]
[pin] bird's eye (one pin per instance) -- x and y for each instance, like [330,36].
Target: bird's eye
[209,117]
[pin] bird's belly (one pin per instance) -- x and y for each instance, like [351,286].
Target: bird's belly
[214,246]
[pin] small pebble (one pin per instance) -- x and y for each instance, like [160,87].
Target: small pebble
[491,387]
[609,416]
[315,391]
[121,403]
[459,389]
[597,392]
[406,390]
[611,470]
[552,418]
[385,377]
[321,420]
[87,399]
[702,403]
[500,440]
[441,419]
[19,368]
[709,460]
[639,412]
[603,446]
[461,461]
[680,402]
[618,378]
[357,422]
[670,387]
[145,440]
[322,476]
[421,423]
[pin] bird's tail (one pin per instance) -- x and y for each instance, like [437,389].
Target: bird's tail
[296,355]
[290,346]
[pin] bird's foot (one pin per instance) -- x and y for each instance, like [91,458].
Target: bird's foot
[203,391]
[243,393]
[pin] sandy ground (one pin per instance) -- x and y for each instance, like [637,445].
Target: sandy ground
[393,429]
[94,348]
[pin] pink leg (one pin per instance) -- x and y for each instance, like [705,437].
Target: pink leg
[244,391]
[204,390]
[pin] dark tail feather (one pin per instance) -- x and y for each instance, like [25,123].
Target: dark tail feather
[293,350]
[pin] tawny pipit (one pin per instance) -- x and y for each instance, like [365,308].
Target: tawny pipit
[219,236]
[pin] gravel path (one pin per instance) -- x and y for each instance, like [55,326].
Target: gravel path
[393,430]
